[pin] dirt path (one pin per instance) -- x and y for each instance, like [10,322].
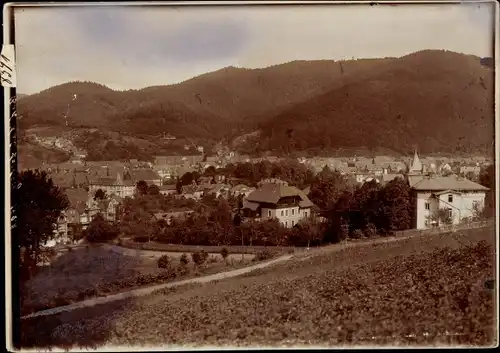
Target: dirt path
[149,290]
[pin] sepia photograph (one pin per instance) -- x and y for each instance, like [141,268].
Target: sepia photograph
[234,175]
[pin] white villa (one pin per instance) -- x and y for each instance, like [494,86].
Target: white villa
[460,198]
[275,199]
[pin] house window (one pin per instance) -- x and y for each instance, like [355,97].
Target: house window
[450,198]
[286,213]
[293,223]
[286,223]
[427,206]
[293,212]
[282,213]
[269,213]
[450,213]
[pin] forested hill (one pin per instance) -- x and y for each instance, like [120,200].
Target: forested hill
[434,99]
[440,101]
[205,102]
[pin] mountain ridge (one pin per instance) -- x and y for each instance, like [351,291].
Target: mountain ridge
[233,101]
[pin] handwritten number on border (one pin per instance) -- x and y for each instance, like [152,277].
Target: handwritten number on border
[7,66]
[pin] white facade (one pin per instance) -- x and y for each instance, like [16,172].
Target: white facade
[461,205]
[288,216]
[118,190]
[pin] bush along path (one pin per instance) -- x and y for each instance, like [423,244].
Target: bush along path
[149,290]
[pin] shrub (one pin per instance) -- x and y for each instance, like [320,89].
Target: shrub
[224,253]
[370,230]
[140,239]
[182,270]
[197,258]
[204,255]
[344,232]
[184,259]
[264,255]
[163,262]
[357,234]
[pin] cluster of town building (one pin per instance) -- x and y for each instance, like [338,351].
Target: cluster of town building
[438,183]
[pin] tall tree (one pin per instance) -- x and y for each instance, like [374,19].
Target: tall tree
[210,171]
[339,218]
[100,230]
[397,206]
[141,187]
[326,189]
[100,194]
[365,205]
[39,204]
[487,178]
[153,190]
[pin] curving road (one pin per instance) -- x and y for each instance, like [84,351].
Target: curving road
[148,290]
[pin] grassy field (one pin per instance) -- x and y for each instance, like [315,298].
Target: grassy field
[427,290]
[89,272]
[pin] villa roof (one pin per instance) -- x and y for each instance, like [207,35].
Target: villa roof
[391,176]
[168,160]
[415,179]
[241,188]
[250,205]
[145,174]
[109,181]
[272,193]
[164,215]
[451,182]
[446,192]
[77,199]
[168,187]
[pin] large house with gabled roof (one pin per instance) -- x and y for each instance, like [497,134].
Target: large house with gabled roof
[276,199]
[457,197]
[120,186]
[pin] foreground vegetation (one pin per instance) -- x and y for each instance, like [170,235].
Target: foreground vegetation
[426,290]
[98,271]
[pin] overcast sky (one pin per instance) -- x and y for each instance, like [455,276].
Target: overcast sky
[136,47]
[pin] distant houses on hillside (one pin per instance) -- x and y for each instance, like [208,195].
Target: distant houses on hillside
[442,187]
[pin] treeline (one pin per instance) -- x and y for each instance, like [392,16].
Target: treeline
[290,171]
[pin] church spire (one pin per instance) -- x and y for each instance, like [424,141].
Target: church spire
[416,165]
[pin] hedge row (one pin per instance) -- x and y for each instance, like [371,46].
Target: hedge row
[233,249]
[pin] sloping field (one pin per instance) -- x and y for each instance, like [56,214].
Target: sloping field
[429,290]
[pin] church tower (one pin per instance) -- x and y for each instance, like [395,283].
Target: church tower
[416,166]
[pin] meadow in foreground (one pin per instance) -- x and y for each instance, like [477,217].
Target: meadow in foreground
[421,291]
[97,271]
